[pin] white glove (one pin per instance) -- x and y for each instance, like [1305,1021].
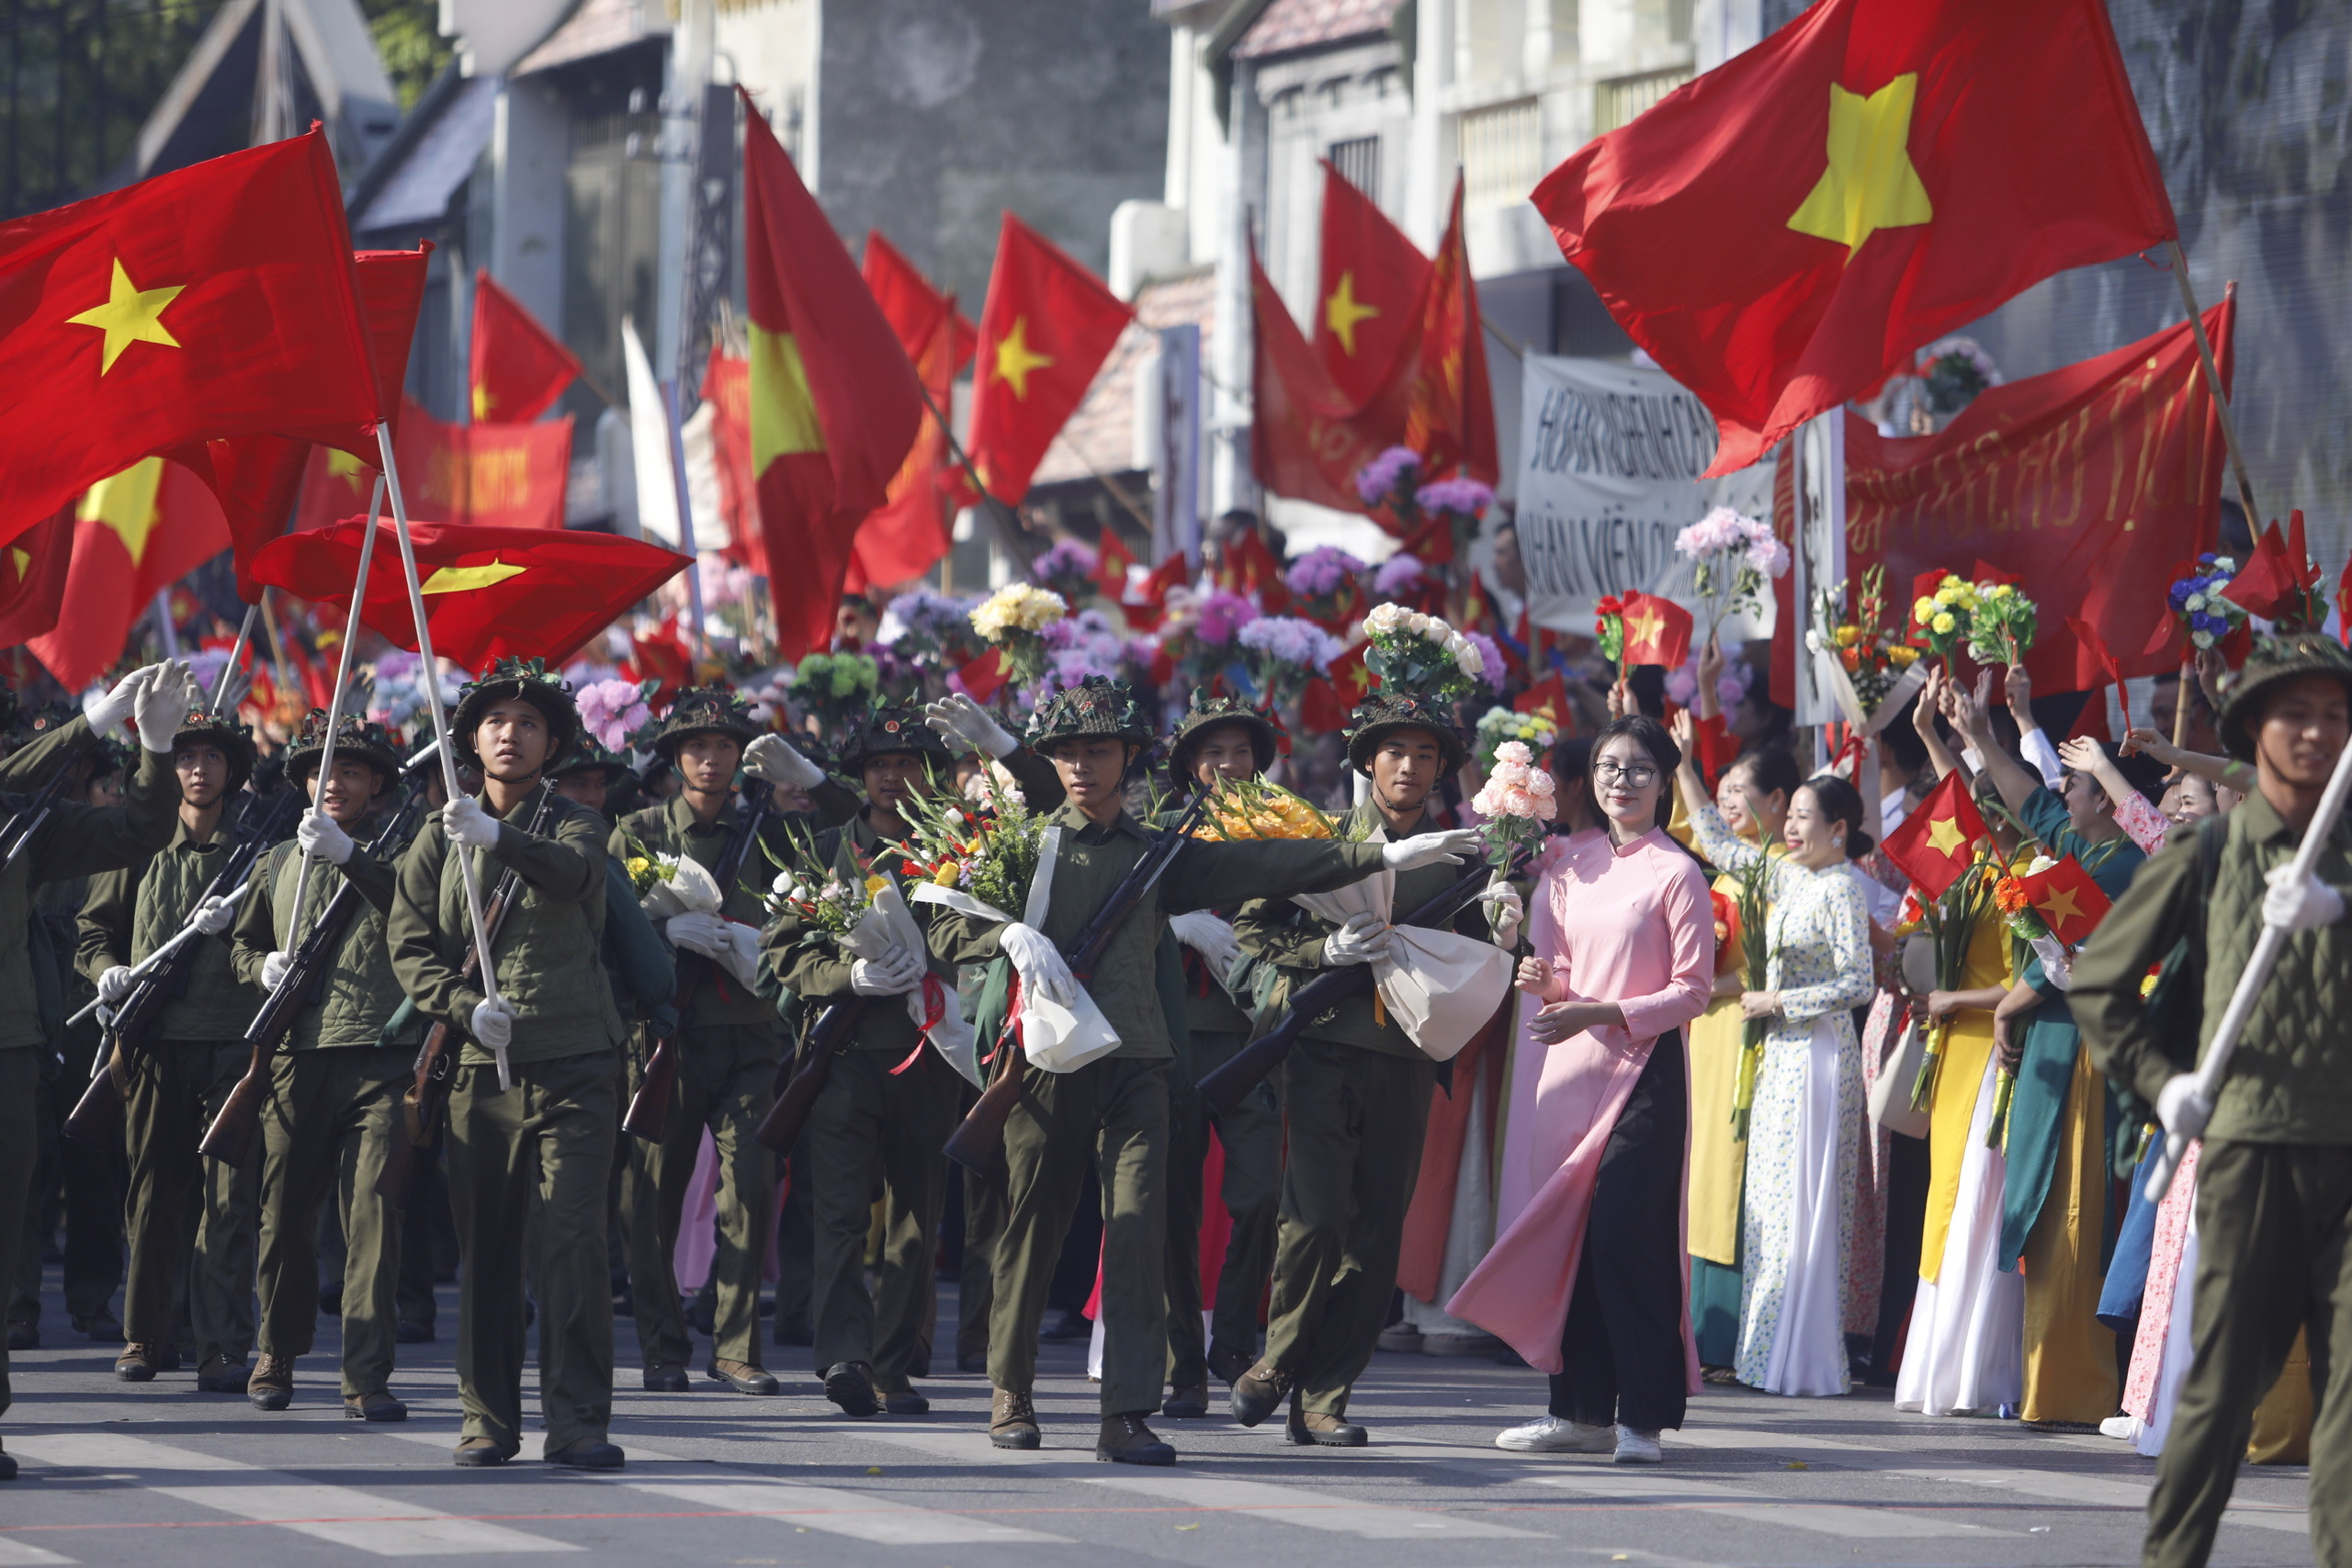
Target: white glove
[115,985]
[274,968]
[740,953]
[162,706]
[698,932]
[1429,849]
[106,711]
[493,1024]
[958,717]
[1212,937]
[213,916]
[891,976]
[467,825]
[2056,965]
[1504,912]
[770,757]
[2293,908]
[320,838]
[1362,940]
[2182,1107]
[1043,970]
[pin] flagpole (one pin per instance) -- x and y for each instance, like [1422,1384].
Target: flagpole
[334,703]
[276,643]
[2214,381]
[165,630]
[431,670]
[236,653]
[674,396]
[998,513]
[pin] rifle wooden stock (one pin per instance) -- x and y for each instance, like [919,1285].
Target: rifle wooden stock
[977,1141]
[1226,1085]
[796,1095]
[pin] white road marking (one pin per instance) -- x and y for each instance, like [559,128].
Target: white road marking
[23,1554]
[1825,1518]
[1312,1509]
[881,1517]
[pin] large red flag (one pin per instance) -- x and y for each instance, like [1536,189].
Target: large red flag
[1046,329]
[214,300]
[489,593]
[1786,230]
[1369,308]
[834,403]
[134,532]
[726,388]
[507,475]
[32,578]
[909,531]
[1933,845]
[1451,419]
[1307,437]
[516,368]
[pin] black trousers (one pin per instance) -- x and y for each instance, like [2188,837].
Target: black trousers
[1622,1360]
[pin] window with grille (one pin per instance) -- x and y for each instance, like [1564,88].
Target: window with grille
[1615,103]
[1502,153]
[1358,161]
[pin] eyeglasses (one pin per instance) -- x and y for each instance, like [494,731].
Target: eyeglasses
[1641,775]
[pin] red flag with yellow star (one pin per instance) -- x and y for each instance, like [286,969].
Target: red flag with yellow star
[2068,901]
[1658,631]
[909,532]
[1368,307]
[1786,230]
[1451,421]
[1936,842]
[489,593]
[1324,705]
[834,403]
[216,300]
[516,367]
[1046,328]
[32,578]
[134,532]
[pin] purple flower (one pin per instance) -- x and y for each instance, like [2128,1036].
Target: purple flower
[1493,655]
[1388,473]
[609,710]
[1397,576]
[1067,559]
[1322,573]
[1463,497]
[1222,615]
[1286,639]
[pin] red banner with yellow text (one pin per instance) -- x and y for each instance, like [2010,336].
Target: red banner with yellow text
[507,475]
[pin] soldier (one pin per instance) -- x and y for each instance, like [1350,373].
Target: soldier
[72,840]
[728,1042]
[1113,1109]
[334,1100]
[1220,737]
[1355,1095]
[179,1078]
[590,774]
[543,1147]
[888,1103]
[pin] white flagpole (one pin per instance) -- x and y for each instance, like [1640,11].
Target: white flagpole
[236,653]
[431,672]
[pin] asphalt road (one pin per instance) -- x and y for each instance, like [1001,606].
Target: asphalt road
[158,1473]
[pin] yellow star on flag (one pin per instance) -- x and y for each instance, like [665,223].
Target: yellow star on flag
[1871,183]
[1015,358]
[1360,678]
[1945,836]
[483,403]
[129,315]
[783,412]
[22,560]
[1641,633]
[1342,310]
[465,578]
[2060,908]
[126,502]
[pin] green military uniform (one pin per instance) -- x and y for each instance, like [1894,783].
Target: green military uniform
[76,840]
[335,1102]
[544,1148]
[175,1081]
[1356,1092]
[1113,1109]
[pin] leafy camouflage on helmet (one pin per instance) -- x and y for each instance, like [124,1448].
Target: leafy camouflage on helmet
[1096,706]
[235,741]
[714,709]
[885,728]
[534,682]
[2274,661]
[355,738]
[1392,709]
[587,754]
[1209,708]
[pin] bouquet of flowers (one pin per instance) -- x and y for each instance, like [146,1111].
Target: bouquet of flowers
[1402,577]
[835,687]
[1390,478]
[1496,725]
[1322,583]
[1284,654]
[1735,556]
[2197,603]
[1081,646]
[1213,641]
[1940,620]
[2001,627]
[1012,620]
[1420,653]
[613,711]
[1609,628]
[1955,371]
[990,854]
[668,885]
[925,625]
[1243,809]
[1875,664]
[1516,800]
[1068,568]
[1460,500]
[807,888]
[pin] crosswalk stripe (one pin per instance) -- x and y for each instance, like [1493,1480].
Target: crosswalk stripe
[24,1554]
[1825,1519]
[881,1517]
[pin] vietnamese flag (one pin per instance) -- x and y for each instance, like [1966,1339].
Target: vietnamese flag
[1548,696]
[984,677]
[215,301]
[134,532]
[1245,566]
[909,532]
[834,405]
[2068,901]
[726,388]
[1788,230]
[1451,420]
[663,658]
[2275,580]
[1936,842]
[1369,302]
[1307,437]
[516,367]
[32,578]
[1112,560]
[1046,328]
[1145,611]
[1324,707]
[1658,631]
[489,593]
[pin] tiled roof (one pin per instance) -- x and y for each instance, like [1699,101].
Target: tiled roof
[1302,23]
[1100,436]
[595,27]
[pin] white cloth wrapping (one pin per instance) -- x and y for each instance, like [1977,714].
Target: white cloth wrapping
[1056,1039]
[887,930]
[690,891]
[1440,985]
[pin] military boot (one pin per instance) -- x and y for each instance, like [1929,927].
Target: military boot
[1012,1421]
[1127,1440]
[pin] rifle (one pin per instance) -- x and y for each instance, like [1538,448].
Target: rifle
[230,1139]
[97,1118]
[797,1086]
[30,818]
[979,1139]
[424,1100]
[649,1108]
[1225,1087]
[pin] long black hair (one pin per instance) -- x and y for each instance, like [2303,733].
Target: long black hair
[1572,770]
[1651,737]
[1842,803]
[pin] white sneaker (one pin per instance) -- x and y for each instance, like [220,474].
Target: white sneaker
[1637,1448]
[1551,1435]
[2122,1429]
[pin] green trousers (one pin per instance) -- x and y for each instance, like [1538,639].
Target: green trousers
[1251,1193]
[975,1281]
[19,1150]
[176,1087]
[869,1133]
[726,1083]
[1113,1111]
[329,1126]
[1356,1119]
[2274,1255]
[542,1150]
